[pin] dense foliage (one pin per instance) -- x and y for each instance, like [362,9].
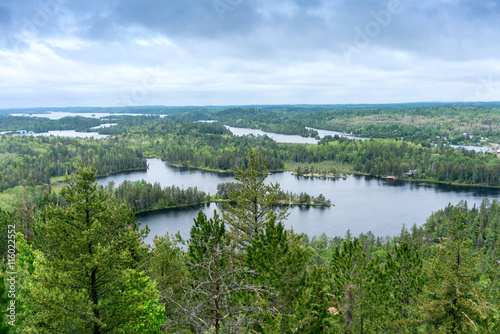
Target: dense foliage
[284,197]
[32,161]
[83,267]
[210,146]
[438,122]
[144,196]
[38,124]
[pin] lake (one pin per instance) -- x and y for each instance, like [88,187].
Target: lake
[54,115]
[362,203]
[71,134]
[294,139]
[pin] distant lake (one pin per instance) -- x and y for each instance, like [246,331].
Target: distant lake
[61,114]
[294,139]
[362,203]
[102,126]
[72,134]
[279,138]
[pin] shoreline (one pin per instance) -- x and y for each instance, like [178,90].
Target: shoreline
[230,172]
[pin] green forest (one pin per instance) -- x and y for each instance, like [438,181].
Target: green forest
[74,258]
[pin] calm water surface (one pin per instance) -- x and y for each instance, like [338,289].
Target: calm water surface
[61,114]
[279,138]
[362,203]
[72,134]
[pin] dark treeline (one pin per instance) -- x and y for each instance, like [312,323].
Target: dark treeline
[418,122]
[437,123]
[211,146]
[201,145]
[259,119]
[40,124]
[31,161]
[482,226]
[440,123]
[401,159]
[285,197]
[144,196]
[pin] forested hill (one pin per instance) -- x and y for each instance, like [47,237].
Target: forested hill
[81,265]
[211,146]
[440,123]
[242,271]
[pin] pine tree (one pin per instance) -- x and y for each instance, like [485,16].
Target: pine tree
[279,262]
[210,296]
[452,280]
[315,309]
[252,201]
[86,281]
[404,277]
[357,284]
[4,301]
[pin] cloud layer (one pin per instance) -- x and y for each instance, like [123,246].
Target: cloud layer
[202,52]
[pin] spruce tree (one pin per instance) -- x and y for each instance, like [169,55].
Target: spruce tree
[86,280]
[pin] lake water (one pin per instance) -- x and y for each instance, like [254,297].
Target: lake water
[294,139]
[279,138]
[102,126]
[362,203]
[72,134]
[54,115]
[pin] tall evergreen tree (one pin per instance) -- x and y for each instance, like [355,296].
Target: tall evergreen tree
[210,296]
[252,201]
[404,278]
[86,281]
[357,284]
[279,262]
[315,310]
[452,279]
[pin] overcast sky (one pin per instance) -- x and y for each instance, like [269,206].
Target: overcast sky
[56,53]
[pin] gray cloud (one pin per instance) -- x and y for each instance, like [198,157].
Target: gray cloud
[255,47]
[462,27]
